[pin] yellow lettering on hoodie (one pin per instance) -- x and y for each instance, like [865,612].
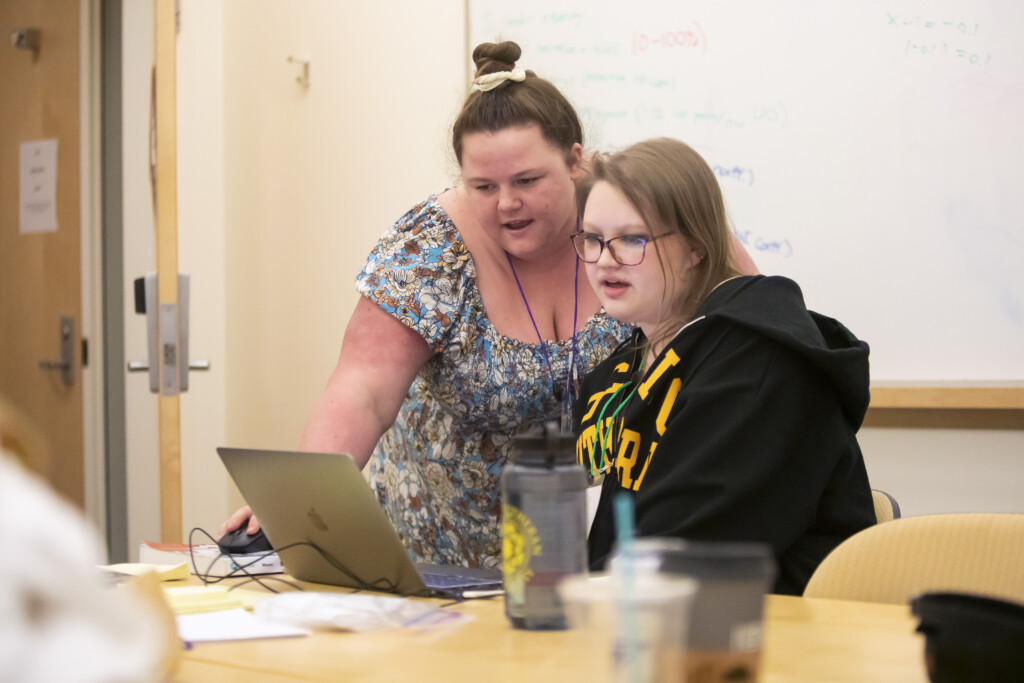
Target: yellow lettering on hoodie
[595,400]
[670,359]
[667,404]
[647,461]
[661,424]
[585,446]
[629,449]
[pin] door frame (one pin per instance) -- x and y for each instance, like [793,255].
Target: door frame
[104,297]
[91,267]
[101,287]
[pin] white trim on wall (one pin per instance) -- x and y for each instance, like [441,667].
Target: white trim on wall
[91,199]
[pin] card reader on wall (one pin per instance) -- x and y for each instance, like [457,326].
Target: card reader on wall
[167,337]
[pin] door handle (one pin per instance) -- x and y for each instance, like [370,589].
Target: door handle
[166,336]
[66,363]
[26,39]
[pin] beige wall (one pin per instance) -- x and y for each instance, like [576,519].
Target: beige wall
[314,175]
[947,470]
[202,254]
[283,190]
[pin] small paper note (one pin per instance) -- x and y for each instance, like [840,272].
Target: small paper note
[232,625]
[164,572]
[38,187]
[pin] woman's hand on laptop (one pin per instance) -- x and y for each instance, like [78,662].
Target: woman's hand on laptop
[240,517]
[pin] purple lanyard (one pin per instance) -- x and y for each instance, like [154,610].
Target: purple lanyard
[570,379]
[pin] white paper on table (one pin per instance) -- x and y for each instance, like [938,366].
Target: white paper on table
[235,624]
[37,188]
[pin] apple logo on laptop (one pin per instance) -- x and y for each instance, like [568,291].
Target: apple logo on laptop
[317,520]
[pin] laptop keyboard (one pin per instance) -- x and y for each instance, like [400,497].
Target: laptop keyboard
[436,580]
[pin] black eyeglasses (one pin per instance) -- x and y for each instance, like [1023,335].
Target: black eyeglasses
[627,250]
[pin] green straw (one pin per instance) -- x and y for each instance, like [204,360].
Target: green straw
[624,536]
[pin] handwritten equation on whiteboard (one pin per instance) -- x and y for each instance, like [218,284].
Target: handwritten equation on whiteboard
[748,115]
[686,72]
[947,38]
[870,150]
[690,36]
[765,245]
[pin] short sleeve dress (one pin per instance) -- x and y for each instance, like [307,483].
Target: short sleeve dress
[436,471]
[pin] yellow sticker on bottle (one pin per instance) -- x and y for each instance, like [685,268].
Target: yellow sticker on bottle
[520,544]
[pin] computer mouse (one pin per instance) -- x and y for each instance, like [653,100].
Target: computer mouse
[239,542]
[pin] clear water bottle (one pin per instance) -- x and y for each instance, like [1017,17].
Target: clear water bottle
[544,518]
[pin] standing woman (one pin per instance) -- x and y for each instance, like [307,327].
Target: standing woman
[731,413]
[475,318]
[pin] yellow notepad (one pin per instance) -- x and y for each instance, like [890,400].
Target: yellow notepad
[195,599]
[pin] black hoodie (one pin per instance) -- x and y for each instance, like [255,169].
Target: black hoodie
[744,428]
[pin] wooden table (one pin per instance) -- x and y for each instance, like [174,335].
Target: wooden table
[805,640]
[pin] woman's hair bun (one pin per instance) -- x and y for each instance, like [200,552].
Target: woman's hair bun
[493,57]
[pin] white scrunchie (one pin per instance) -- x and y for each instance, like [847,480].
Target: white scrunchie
[493,80]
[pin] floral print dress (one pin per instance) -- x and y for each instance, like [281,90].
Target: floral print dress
[436,471]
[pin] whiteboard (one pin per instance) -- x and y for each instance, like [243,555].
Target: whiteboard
[873,152]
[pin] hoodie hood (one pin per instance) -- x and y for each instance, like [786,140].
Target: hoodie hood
[774,307]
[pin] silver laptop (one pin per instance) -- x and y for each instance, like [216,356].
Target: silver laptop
[321,502]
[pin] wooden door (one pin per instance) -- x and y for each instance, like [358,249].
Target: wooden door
[40,272]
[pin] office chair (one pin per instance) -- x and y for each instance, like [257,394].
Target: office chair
[886,507]
[980,553]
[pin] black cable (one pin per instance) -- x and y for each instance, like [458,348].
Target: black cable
[240,570]
[381,584]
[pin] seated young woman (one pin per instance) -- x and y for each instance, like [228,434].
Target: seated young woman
[731,413]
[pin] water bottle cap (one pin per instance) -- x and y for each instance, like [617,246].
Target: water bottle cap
[544,445]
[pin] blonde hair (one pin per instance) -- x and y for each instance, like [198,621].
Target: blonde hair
[673,188]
